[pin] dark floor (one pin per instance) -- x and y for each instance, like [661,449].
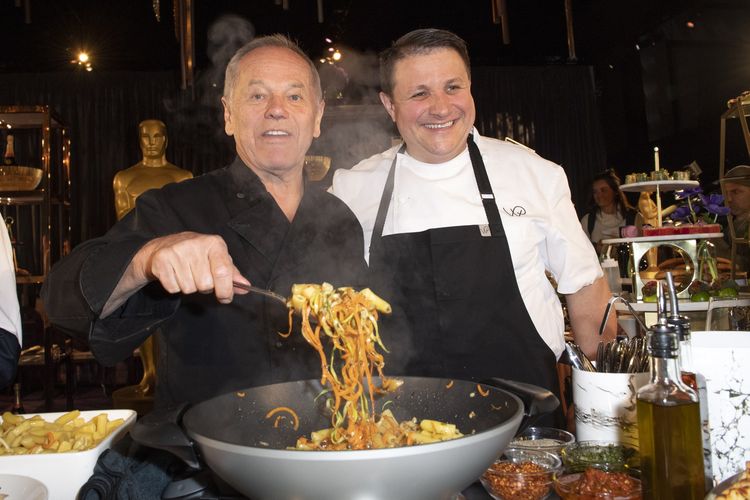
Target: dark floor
[84,398]
[91,390]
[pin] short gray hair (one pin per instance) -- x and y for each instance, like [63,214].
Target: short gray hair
[276,40]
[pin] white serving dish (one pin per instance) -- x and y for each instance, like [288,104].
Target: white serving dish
[720,360]
[64,473]
[24,487]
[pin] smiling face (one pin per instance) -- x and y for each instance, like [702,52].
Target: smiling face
[604,197]
[273,112]
[432,104]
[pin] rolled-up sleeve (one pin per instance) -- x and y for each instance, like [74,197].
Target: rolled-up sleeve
[570,256]
[79,286]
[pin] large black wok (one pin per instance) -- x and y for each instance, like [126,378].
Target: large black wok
[248,450]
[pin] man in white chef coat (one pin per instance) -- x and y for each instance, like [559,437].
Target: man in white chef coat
[461,228]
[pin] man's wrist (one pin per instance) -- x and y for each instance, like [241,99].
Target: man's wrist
[137,271]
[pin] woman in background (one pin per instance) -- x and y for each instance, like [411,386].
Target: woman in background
[608,211]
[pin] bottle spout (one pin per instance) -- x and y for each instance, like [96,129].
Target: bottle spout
[672,295]
[661,302]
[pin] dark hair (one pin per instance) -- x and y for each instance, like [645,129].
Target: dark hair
[621,202]
[277,40]
[421,41]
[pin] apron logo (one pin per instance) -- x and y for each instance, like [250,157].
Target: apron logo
[484,230]
[516,211]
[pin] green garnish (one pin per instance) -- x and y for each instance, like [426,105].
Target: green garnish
[578,457]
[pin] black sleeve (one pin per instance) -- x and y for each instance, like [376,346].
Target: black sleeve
[9,352]
[72,304]
[78,287]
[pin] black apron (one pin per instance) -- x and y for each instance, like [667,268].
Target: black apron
[458,312]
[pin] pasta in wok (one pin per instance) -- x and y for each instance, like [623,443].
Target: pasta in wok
[347,321]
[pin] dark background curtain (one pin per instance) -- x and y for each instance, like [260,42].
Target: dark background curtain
[103,110]
[551,109]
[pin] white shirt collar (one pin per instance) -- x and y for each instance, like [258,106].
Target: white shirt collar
[435,170]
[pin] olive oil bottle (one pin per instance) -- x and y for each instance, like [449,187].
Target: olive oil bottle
[690,377]
[669,424]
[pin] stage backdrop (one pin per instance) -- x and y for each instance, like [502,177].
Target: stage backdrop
[551,109]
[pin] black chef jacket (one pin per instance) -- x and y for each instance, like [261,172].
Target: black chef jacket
[207,348]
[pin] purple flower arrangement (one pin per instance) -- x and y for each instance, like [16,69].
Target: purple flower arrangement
[699,208]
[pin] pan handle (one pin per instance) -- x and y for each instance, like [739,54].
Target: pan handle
[536,400]
[162,429]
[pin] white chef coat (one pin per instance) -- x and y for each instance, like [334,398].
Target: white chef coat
[10,313]
[532,195]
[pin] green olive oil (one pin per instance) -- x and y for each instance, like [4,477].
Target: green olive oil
[669,422]
[671,448]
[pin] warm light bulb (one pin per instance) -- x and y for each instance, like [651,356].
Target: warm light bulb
[83,57]
[337,56]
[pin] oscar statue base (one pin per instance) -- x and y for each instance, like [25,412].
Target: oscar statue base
[133,398]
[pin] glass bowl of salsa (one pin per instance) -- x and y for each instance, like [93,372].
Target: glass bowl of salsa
[521,474]
[592,484]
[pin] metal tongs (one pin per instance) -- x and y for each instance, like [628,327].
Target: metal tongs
[622,355]
[261,291]
[616,298]
[577,357]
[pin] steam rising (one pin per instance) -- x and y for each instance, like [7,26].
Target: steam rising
[355,124]
[225,36]
[353,80]
[201,119]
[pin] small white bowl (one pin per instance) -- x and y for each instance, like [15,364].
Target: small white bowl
[543,438]
[64,473]
[22,487]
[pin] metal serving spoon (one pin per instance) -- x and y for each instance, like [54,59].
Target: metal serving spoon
[262,291]
[577,358]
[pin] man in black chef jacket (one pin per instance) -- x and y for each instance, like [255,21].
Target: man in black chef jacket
[171,262]
[461,229]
